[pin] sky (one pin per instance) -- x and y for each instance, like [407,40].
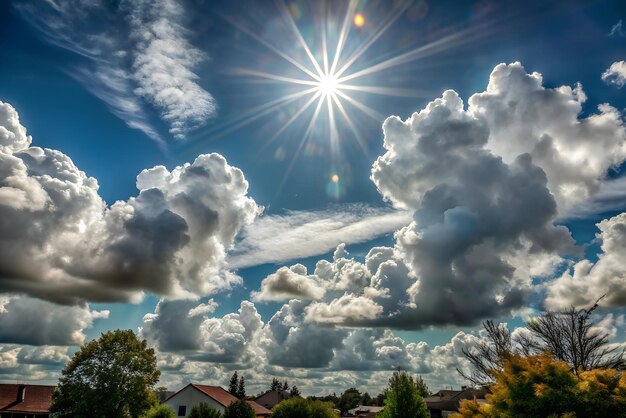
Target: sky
[321,191]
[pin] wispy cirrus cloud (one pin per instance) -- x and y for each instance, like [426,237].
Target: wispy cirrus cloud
[137,54]
[298,234]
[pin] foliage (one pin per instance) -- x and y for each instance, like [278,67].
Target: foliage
[239,409]
[285,386]
[204,410]
[160,411]
[540,386]
[422,389]
[569,336]
[403,398]
[241,388]
[276,385]
[348,400]
[113,376]
[294,391]
[303,408]
[234,384]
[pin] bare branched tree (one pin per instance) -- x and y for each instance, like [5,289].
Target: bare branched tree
[488,355]
[570,336]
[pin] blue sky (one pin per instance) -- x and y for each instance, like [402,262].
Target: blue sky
[120,87]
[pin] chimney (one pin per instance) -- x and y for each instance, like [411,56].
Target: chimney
[21,393]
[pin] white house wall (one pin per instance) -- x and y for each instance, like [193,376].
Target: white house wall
[189,397]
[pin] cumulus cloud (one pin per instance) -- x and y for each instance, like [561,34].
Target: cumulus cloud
[148,60]
[178,327]
[615,74]
[289,282]
[586,281]
[290,341]
[299,234]
[524,116]
[25,320]
[60,241]
[308,354]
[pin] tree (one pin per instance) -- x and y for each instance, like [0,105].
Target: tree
[233,385]
[294,391]
[285,386]
[275,385]
[348,400]
[160,411]
[541,386]
[303,408]
[204,410]
[422,389]
[113,376]
[241,388]
[239,409]
[403,399]
[569,336]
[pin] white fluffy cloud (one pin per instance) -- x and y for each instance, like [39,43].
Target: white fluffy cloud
[290,282]
[615,74]
[60,241]
[25,320]
[587,281]
[523,116]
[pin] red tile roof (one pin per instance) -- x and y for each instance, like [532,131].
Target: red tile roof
[37,398]
[221,395]
[224,398]
[259,410]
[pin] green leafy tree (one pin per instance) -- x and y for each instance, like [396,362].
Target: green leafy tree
[160,411]
[239,409]
[294,391]
[285,386]
[303,408]
[422,389]
[403,398]
[348,400]
[241,388]
[113,376]
[234,384]
[275,385]
[204,410]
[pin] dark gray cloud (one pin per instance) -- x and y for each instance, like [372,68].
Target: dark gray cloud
[25,320]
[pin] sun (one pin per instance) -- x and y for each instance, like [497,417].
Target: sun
[328,85]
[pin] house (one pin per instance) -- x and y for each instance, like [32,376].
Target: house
[217,397]
[447,402]
[363,411]
[270,398]
[25,401]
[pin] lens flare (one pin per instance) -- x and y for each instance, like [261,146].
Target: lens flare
[359,20]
